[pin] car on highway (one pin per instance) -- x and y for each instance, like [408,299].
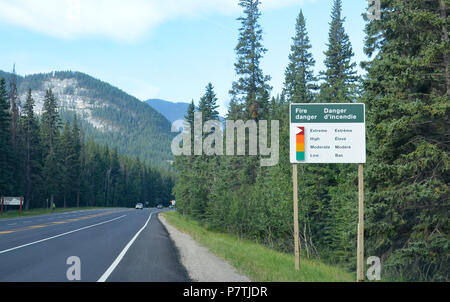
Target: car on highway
[160,206]
[139,206]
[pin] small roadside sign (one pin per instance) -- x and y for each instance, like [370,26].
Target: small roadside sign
[327,133]
[12,201]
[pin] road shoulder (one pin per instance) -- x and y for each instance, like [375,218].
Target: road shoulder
[201,264]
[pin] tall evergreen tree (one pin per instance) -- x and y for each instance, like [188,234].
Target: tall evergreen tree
[6,163]
[14,106]
[77,164]
[31,152]
[299,76]
[189,117]
[114,176]
[50,130]
[67,161]
[208,104]
[249,92]
[340,77]
[50,122]
[408,104]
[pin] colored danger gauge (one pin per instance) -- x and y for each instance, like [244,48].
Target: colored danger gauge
[300,143]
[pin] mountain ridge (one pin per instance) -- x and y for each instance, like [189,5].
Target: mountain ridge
[106,113]
[172,111]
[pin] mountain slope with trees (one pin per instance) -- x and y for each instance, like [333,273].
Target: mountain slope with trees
[105,113]
[49,162]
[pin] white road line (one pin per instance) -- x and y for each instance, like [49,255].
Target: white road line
[116,262]
[60,235]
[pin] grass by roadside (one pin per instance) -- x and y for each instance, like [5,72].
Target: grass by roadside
[37,212]
[257,262]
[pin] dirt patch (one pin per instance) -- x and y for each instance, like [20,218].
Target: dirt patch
[201,264]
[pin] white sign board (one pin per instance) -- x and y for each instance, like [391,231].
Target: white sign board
[11,201]
[327,133]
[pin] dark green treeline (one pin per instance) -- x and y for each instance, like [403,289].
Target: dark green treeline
[44,160]
[407,93]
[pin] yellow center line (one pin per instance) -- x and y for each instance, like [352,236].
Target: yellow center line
[58,222]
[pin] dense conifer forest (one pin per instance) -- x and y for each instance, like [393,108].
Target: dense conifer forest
[45,160]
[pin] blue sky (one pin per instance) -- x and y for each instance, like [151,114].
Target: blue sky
[167,49]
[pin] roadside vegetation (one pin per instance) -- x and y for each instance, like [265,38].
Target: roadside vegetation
[406,90]
[37,212]
[256,261]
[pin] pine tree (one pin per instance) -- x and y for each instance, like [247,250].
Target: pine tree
[408,109]
[189,117]
[50,128]
[67,161]
[50,122]
[5,139]
[14,102]
[339,78]
[299,76]
[77,154]
[208,104]
[249,91]
[114,175]
[14,106]
[31,151]
[183,164]
[299,84]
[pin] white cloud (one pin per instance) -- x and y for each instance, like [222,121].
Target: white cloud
[122,20]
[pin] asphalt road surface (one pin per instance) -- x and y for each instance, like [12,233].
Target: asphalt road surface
[112,245]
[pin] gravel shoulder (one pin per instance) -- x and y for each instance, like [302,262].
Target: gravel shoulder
[200,263]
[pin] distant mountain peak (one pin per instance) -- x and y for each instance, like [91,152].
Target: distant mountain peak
[172,111]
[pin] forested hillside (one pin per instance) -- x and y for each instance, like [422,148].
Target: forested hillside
[46,160]
[105,113]
[407,94]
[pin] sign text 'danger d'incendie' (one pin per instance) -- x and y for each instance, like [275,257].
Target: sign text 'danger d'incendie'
[327,133]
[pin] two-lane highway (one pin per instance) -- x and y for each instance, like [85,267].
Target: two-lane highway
[112,245]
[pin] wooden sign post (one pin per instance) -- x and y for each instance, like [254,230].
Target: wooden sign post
[296,232]
[21,202]
[360,244]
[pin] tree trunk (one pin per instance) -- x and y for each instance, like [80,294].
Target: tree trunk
[28,178]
